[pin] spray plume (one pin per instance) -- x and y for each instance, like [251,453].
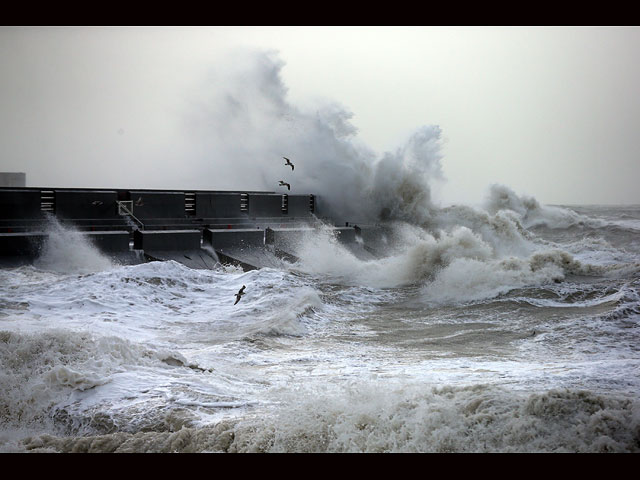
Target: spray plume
[244,125]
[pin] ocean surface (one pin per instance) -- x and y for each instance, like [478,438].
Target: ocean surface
[513,327]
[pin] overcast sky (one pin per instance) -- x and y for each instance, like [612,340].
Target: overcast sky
[550,112]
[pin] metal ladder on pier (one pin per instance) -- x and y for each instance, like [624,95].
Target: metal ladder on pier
[47,201]
[125,208]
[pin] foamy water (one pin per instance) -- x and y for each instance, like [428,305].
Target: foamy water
[478,332]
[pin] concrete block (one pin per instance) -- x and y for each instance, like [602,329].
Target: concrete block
[109,241]
[218,205]
[299,206]
[240,237]
[288,238]
[20,204]
[197,259]
[166,240]
[345,234]
[86,204]
[265,205]
[154,204]
[21,244]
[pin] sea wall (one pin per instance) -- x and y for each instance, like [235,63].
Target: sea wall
[158,224]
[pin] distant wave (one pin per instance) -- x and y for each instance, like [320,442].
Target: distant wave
[531,213]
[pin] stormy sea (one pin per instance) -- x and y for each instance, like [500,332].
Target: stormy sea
[507,327]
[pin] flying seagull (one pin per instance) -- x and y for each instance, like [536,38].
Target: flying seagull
[239,294]
[285,184]
[288,163]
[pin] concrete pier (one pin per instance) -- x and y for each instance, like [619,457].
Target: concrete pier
[197,228]
[26,244]
[240,247]
[110,241]
[182,246]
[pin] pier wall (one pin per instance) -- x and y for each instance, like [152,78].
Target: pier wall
[198,228]
[24,209]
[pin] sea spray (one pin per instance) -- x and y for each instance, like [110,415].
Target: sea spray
[354,184]
[417,256]
[247,118]
[502,230]
[66,250]
[401,187]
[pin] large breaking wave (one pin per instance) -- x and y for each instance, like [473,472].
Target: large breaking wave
[459,251]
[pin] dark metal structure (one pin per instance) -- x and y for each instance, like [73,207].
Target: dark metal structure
[198,228]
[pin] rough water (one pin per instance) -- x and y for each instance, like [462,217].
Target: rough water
[514,327]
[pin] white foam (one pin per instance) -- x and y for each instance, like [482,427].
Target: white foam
[468,279]
[67,251]
[532,213]
[388,416]
[41,369]
[416,257]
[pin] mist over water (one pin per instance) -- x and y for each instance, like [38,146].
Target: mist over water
[510,326]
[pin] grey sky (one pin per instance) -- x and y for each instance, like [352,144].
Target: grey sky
[551,112]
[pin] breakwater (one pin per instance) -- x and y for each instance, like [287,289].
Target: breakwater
[197,228]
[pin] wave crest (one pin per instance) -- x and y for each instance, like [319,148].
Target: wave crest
[532,213]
